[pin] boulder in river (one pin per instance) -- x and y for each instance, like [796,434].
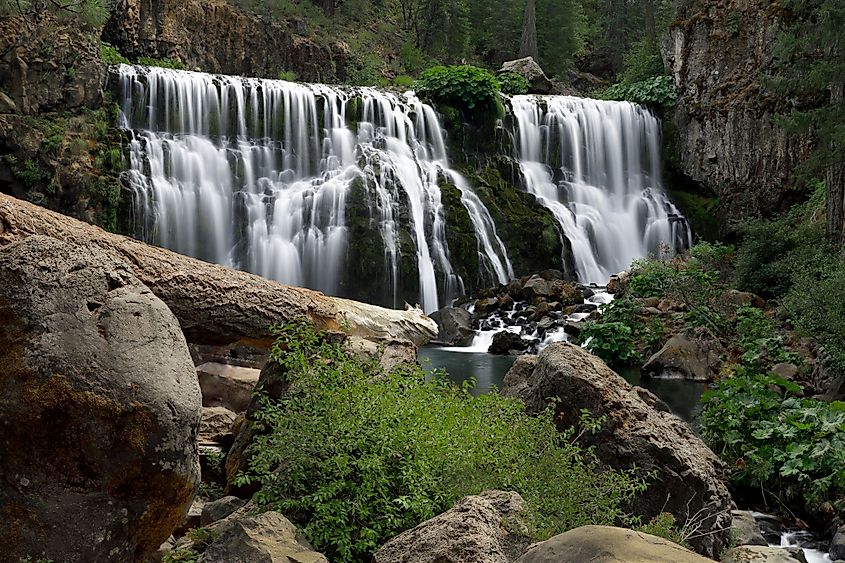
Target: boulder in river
[764,554]
[99,408]
[692,354]
[506,342]
[837,544]
[454,326]
[605,544]
[745,530]
[485,528]
[689,481]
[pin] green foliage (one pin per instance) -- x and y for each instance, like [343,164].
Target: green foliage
[758,339]
[29,172]
[664,526]
[642,62]
[181,555]
[512,83]
[30,559]
[356,456]
[288,76]
[163,63]
[110,55]
[613,342]
[776,440]
[465,86]
[91,14]
[656,92]
[414,61]
[403,82]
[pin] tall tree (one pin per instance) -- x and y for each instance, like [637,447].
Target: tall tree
[529,32]
[810,70]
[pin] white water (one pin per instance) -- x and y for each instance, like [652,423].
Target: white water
[596,166]
[256,174]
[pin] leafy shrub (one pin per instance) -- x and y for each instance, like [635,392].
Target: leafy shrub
[777,441]
[413,60]
[513,84]
[356,459]
[758,338]
[465,86]
[163,63]
[613,342]
[641,62]
[110,55]
[288,76]
[657,92]
[403,82]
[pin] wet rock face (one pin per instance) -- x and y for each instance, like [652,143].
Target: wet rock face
[718,53]
[689,480]
[99,408]
[217,37]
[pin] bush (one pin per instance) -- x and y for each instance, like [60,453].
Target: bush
[613,342]
[403,82]
[163,63]
[356,459]
[513,84]
[464,86]
[777,441]
[288,75]
[656,92]
[110,55]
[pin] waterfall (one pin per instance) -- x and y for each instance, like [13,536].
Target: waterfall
[596,166]
[256,174]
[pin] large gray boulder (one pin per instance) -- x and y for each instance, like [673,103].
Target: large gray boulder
[745,530]
[529,69]
[99,408]
[689,480]
[453,326]
[485,528]
[764,554]
[266,538]
[837,544]
[692,354]
[605,544]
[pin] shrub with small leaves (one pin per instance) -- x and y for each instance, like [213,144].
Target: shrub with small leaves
[513,84]
[613,342]
[657,92]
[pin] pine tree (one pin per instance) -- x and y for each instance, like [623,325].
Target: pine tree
[529,32]
[810,68]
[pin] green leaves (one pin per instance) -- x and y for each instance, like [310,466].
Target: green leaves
[355,456]
[780,441]
[656,92]
[465,86]
[611,341]
[513,84]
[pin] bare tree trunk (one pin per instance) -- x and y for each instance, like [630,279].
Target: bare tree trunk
[835,180]
[648,17]
[529,32]
[216,305]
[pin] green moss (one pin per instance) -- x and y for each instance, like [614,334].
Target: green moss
[700,211]
[460,236]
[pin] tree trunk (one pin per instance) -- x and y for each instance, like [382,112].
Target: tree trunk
[217,305]
[529,32]
[648,17]
[835,180]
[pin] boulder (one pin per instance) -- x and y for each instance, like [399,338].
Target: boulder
[770,527]
[528,68]
[216,424]
[267,538]
[566,293]
[837,544]
[689,481]
[745,530]
[605,544]
[454,325]
[785,370]
[486,528]
[219,509]
[536,287]
[517,377]
[390,353]
[743,299]
[99,408]
[227,386]
[692,354]
[506,342]
[764,554]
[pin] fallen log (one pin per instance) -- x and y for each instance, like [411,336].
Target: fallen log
[217,305]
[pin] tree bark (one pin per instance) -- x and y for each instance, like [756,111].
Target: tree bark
[529,32]
[217,305]
[835,180]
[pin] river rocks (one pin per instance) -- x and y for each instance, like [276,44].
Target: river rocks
[764,554]
[689,477]
[528,68]
[692,354]
[486,528]
[605,544]
[227,386]
[99,408]
[837,544]
[536,287]
[745,530]
[453,325]
[266,538]
[506,342]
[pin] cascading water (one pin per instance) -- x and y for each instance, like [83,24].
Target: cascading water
[256,174]
[596,166]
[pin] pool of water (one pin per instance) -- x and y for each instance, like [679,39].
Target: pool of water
[682,396]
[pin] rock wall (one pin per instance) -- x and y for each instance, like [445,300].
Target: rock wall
[718,52]
[214,36]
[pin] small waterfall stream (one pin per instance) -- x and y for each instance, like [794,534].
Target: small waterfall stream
[596,166]
[262,174]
